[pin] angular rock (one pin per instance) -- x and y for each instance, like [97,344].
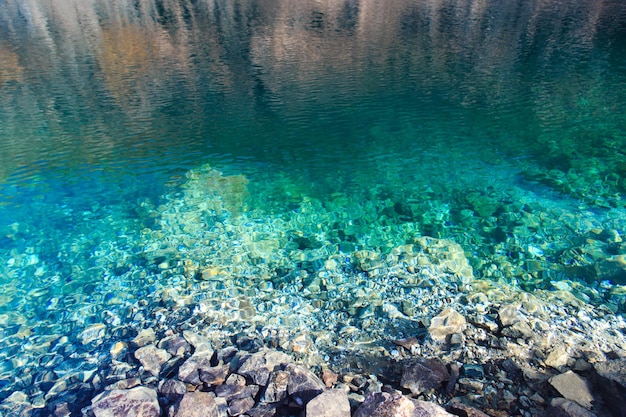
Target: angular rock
[276,390]
[199,343]
[263,410]
[190,370]
[303,385]
[509,314]
[172,389]
[239,406]
[446,323]
[611,382]
[215,375]
[422,375]
[145,337]
[152,358]
[259,365]
[175,345]
[233,392]
[573,387]
[384,404]
[135,402]
[569,408]
[332,403]
[459,409]
[197,404]
[558,357]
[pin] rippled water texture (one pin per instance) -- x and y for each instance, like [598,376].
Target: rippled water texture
[228,146]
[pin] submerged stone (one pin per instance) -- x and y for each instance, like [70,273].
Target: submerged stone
[135,402]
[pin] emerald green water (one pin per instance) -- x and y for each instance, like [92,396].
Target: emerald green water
[345,126]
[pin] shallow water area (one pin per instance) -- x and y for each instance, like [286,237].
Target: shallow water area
[325,178]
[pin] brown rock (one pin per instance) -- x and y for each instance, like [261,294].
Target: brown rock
[332,403]
[446,323]
[197,404]
[190,370]
[423,375]
[383,404]
[135,402]
[303,384]
[573,387]
[152,358]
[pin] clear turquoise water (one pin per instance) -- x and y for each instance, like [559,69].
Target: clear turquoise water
[499,125]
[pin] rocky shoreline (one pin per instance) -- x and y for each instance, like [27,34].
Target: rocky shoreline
[496,359]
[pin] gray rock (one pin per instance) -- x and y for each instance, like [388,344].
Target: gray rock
[558,357]
[215,375]
[152,358]
[197,404]
[276,390]
[423,375]
[387,405]
[233,392]
[172,389]
[239,406]
[473,371]
[446,323]
[510,314]
[303,385]
[460,409]
[135,402]
[175,345]
[263,410]
[199,343]
[332,403]
[190,370]
[573,387]
[259,365]
[145,337]
[570,408]
[611,383]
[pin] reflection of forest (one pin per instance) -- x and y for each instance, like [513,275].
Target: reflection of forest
[144,54]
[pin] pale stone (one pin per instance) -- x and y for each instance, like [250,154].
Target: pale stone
[558,357]
[136,402]
[573,387]
[332,403]
[145,337]
[197,404]
[446,323]
[152,358]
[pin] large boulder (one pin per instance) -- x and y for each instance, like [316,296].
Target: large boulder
[135,402]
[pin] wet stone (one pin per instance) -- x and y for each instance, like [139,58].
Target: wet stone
[145,337]
[172,389]
[190,370]
[233,392]
[446,323]
[152,358]
[303,384]
[259,365]
[175,345]
[276,388]
[473,371]
[139,402]
[423,375]
[215,375]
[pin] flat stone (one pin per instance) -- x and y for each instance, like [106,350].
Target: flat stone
[303,385]
[145,337]
[558,357]
[135,402]
[190,370]
[331,403]
[384,404]
[197,404]
[446,323]
[573,387]
[233,392]
[152,358]
[93,333]
[423,375]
